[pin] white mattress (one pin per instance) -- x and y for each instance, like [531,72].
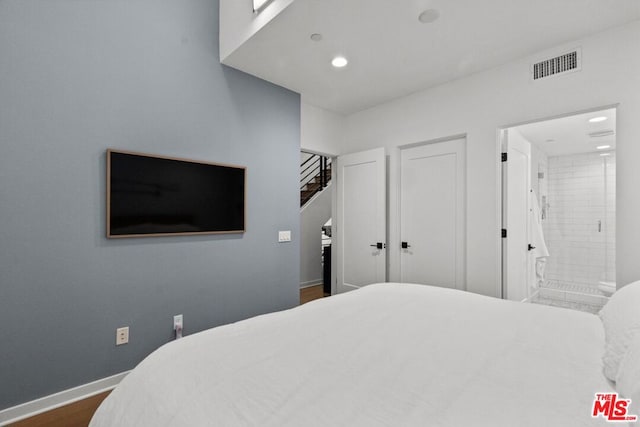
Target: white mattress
[385,355]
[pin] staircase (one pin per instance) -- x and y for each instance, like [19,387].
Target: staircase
[315,175]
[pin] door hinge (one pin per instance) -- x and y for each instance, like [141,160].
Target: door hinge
[504,157]
[504,233]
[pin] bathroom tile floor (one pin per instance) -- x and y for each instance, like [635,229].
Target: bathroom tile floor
[589,308]
[571,295]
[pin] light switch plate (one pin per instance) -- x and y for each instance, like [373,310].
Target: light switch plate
[284,236]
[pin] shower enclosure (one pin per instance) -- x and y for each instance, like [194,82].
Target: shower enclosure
[577,198]
[564,229]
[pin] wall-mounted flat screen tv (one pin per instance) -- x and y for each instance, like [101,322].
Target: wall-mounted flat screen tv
[149,195]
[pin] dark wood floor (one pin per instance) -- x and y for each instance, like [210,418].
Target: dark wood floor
[78,414]
[310,293]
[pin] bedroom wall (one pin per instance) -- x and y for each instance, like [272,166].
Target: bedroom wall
[482,103]
[321,131]
[239,23]
[78,77]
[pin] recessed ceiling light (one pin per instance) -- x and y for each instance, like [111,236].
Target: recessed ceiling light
[339,62]
[550,140]
[602,147]
[428,16]
[601,133]
[597,119]
[605,154]
[316,37]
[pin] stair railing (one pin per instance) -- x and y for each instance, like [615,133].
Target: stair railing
[315,175]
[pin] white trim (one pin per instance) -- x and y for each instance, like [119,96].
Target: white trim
[559,116]
[500,202]
[311,283]
[499,225]
[56,400]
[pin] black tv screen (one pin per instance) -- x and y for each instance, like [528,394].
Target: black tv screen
[150,195]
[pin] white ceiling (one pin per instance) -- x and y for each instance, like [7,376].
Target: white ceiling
[391,54]
[570,135]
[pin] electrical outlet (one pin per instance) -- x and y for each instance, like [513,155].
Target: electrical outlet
[177,325]
[177,321]
[122,335]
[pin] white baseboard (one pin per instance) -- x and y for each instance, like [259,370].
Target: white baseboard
[56,400]
[310,283]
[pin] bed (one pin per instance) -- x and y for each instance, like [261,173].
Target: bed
[385,355]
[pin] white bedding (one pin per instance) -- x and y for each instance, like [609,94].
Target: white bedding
[385,355]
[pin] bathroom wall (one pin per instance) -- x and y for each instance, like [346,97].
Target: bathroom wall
[581,193]
[540,177]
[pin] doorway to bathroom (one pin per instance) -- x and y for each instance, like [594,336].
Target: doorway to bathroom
[559,220]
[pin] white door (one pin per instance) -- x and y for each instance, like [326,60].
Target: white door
[361,219]
[433,214]
[517,186]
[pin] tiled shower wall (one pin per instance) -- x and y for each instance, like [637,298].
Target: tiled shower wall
[580,225]
[540,178]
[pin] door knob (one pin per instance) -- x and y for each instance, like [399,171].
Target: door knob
[531,247]
[405,245]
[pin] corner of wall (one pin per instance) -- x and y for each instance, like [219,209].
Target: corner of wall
[238,23]
[321,131]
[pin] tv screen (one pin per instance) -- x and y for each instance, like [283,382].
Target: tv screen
[150,195]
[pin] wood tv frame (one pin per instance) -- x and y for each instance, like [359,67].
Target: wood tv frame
[150,195]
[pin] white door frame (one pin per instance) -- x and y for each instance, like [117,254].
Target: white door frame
[500,190]
[461,273]
[331,188]
[517,148]
[394,209]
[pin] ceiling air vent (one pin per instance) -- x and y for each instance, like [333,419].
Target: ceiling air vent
[568,62]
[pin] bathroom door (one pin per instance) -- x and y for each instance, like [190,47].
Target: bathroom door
[516,188]
[433,214]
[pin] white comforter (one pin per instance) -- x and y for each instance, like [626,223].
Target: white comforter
[385,355]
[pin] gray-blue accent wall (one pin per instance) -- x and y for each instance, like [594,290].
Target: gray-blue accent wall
[76,78]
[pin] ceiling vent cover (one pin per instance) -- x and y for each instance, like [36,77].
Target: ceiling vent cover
[561,64]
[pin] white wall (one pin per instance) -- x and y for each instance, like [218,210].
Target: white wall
[238,23]
[481,104]
[321,131]
[312,217]
[539,164]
